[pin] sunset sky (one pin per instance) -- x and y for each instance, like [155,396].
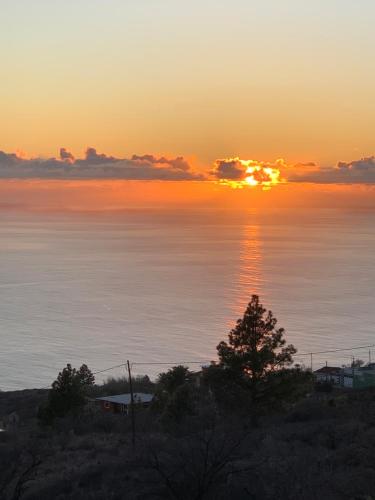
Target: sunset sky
[170,91]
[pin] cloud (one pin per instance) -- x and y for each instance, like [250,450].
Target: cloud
[355,172]
[93,158]
[66,156]
[96,166]
[236,171]
[178,163]
[8,159]
[231,169]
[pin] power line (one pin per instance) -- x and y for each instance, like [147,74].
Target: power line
[144,363]
[108,369]
[175,363]
[335,350]
[172,363]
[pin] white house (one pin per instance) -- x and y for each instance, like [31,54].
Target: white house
[330,374]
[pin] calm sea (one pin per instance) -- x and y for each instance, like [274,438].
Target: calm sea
[166,287]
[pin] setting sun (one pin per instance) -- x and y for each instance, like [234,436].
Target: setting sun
[238,173]
[264,176]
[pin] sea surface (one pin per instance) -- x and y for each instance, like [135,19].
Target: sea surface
[164,287]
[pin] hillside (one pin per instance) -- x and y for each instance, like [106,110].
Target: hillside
[322,447]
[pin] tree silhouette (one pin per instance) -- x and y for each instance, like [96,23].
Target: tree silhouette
[175,394]
[68,392]
[170,380]
[256,350]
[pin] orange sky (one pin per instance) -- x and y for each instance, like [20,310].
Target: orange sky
[212,79]
[199,80]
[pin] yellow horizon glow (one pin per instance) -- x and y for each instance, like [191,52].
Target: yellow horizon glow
[106,195]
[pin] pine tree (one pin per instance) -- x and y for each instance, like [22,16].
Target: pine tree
[256,349]
[68,392]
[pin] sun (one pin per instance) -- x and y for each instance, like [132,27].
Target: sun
[238,174]
[250,179]
[260,175]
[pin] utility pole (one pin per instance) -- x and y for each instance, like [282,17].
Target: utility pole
[131,404]
[369,357]
[311,361]
[353,373]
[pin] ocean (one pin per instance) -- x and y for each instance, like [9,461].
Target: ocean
[161,288]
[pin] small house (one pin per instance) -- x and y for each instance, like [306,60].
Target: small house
[121,403]
[348,377]
[329,374]
[359,378]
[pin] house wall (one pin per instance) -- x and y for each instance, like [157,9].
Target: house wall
[325,377]
[349,378]
[109,407]
[106,406]
[348,382]
[364,379]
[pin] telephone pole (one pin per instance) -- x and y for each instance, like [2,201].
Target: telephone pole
[131,404]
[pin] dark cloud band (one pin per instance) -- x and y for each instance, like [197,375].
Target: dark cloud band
[96,166]
[355,172]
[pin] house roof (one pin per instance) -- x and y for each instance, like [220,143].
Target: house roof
[125,399]
[328,370]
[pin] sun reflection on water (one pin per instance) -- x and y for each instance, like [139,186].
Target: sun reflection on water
[250,277]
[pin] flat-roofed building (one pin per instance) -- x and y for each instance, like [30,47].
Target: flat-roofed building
[121,403]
